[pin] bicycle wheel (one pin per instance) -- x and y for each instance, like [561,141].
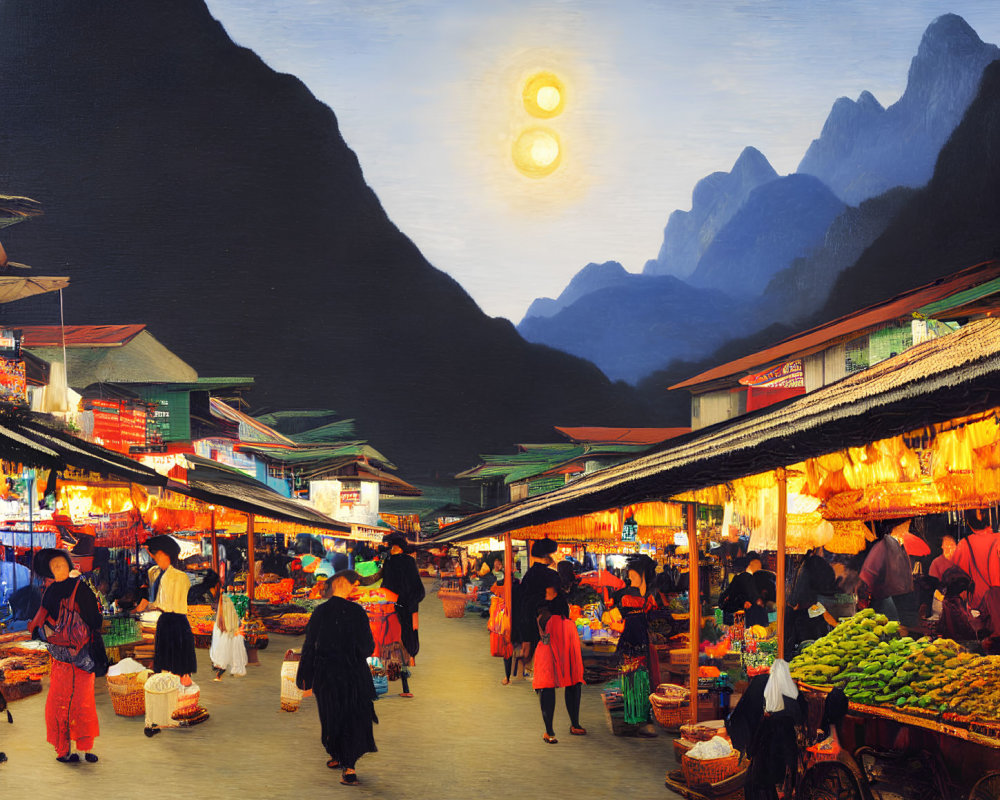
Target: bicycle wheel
[986,788]
[828,780]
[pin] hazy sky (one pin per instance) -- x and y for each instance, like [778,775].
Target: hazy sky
[656,95]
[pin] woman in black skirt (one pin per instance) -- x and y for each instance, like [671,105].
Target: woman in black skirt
[173,649]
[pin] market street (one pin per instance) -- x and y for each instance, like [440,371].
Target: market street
[464,735]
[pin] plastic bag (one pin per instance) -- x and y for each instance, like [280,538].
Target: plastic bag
[779,686]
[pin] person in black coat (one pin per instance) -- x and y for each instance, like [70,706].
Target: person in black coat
[401,576]
[530,597]
[744,594]
[334,665]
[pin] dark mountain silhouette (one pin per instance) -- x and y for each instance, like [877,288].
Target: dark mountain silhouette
[633,328]
[780,221]
[795,293]
[714,202]
[188,186]
[952,223]
[589,279]
[865,149]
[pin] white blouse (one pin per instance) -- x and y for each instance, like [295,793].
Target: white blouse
[172,593]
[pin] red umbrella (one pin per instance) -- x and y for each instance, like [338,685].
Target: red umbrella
[602,579]
[914,545]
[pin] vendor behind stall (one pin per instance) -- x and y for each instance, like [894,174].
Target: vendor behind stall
[887,576]
[979,554]
[744,594]
[805,618]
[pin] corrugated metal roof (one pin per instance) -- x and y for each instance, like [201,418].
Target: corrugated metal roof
[933,382]
[79,335]
[339,431]
[640,436]
[541,459]
[818,338]
[301,454]
[250,428]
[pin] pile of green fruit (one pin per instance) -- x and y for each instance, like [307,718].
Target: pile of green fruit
[888,673]
[969,685]
[827,661]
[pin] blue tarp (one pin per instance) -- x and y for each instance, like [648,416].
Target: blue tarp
[25,539]
[12,576]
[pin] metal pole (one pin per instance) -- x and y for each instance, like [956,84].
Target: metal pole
[694,605]
[780,572]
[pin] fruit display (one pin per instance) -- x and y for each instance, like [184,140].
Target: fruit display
[826,661]
[887,673]
[969,686]
[876,666]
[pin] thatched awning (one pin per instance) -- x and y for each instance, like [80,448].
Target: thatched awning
[933,382]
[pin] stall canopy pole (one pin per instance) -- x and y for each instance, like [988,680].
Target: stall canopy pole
[694,607]
[251,572]
[215,545]
[782,529]
[508,581]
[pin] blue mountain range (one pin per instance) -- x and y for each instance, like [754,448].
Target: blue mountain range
[751,235]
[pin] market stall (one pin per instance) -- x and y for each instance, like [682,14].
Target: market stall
[943,697]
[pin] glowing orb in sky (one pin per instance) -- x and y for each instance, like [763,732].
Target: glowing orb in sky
[537,152]
[544,95]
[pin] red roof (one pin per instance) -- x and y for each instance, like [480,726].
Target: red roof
[648,436]
[79,335]
[842,328]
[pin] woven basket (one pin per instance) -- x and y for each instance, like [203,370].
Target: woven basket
[128,698]
[669,713]
[708,771]
[454,603]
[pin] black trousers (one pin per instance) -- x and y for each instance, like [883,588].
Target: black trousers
[547,700]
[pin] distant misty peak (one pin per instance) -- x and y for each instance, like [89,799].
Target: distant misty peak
[715,200]
[592,277]
[865,149]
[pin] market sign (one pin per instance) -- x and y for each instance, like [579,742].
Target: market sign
[790,375]
[366,533]
[13,381]
[630,530]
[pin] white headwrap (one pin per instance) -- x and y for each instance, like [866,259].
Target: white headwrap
[779,686]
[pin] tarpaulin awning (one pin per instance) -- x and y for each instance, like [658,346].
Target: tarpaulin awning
[16,287]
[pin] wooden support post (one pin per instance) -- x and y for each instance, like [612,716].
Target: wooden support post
[215,547]
[508,580]
[780,572]
[694,605]
[251,576]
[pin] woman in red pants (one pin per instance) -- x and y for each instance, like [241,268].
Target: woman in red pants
[70,713]
[558,660]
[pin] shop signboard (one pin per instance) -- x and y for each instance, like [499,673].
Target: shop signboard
[13,381]
[630,530]
[366,533]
